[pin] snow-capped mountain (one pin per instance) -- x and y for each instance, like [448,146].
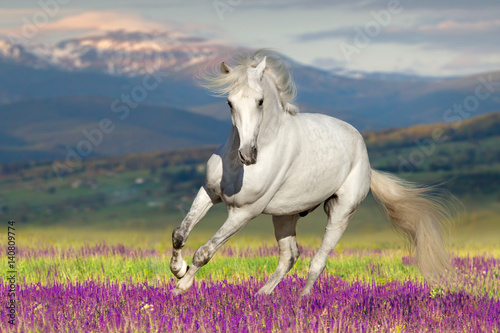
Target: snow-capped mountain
[118,53]
[125,53]
[112,65]
[25,54]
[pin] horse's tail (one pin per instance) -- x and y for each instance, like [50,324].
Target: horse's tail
[419,216]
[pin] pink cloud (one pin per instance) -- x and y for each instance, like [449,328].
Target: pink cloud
[104,21]
[90,22]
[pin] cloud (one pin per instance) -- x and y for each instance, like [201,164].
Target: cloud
[432,5]
[445,34]
[104,21]
[76,24]
[323,34]
[16,13]
[455,27]
[367,5]
[448,34]
[464,61]
[13,18]
[468,62]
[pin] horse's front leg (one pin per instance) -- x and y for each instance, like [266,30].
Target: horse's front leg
[199,208]
[236,220]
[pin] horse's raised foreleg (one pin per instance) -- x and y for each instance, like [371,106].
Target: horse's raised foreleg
[339,211]
[199,208]
[284,230]
[236,220]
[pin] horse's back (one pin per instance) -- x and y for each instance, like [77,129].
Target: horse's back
[332,135]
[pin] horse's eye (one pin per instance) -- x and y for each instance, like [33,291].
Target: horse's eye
[261,101]
[230,105]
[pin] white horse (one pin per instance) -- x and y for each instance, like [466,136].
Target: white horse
[283,163]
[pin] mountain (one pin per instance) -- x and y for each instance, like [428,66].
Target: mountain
[109,65]
[121,65]
[380,76]
[117,53]
[376,104]
[52,127]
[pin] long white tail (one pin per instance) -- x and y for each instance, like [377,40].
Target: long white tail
[419,216]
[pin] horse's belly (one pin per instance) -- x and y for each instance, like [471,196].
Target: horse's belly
[281,205]
[306,191]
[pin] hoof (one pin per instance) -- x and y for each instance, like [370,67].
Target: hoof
[177,292]
[263,291]
[305,293]
[181,272]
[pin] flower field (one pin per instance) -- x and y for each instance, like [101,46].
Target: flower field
[122,288]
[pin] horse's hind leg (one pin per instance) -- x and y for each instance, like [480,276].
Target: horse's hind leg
[199,208]
[338,218]
[339,208]
[284,230]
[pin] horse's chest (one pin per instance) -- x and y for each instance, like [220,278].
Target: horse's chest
[236,186]
[241,188]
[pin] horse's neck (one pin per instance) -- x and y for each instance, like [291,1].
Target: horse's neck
[270,126]
[272,118]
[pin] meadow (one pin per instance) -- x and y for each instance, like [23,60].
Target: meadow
[112,277]
[93,251]
[120,282]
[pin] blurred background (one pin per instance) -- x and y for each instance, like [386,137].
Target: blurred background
[104,133]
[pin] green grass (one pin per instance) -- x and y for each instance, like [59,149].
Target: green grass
[380,268]
[152,226]
[121,269]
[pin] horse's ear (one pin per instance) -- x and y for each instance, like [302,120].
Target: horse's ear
[225,69]
[260,68]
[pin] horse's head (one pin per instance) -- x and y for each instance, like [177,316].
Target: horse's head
[260,91]
[247,108]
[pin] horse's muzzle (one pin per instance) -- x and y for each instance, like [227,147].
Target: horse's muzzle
[248,156]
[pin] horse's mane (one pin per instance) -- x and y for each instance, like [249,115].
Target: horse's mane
[220,84]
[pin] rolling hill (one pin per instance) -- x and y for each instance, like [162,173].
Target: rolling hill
[156,189]
[51,125]
[470,146]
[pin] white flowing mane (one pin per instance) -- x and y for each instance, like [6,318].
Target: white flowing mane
[220,84]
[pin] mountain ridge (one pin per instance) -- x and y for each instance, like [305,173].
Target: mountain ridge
[50,130]
[120,65]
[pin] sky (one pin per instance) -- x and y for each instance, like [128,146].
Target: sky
[423,37]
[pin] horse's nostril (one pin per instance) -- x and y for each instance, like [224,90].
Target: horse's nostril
[241,156]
